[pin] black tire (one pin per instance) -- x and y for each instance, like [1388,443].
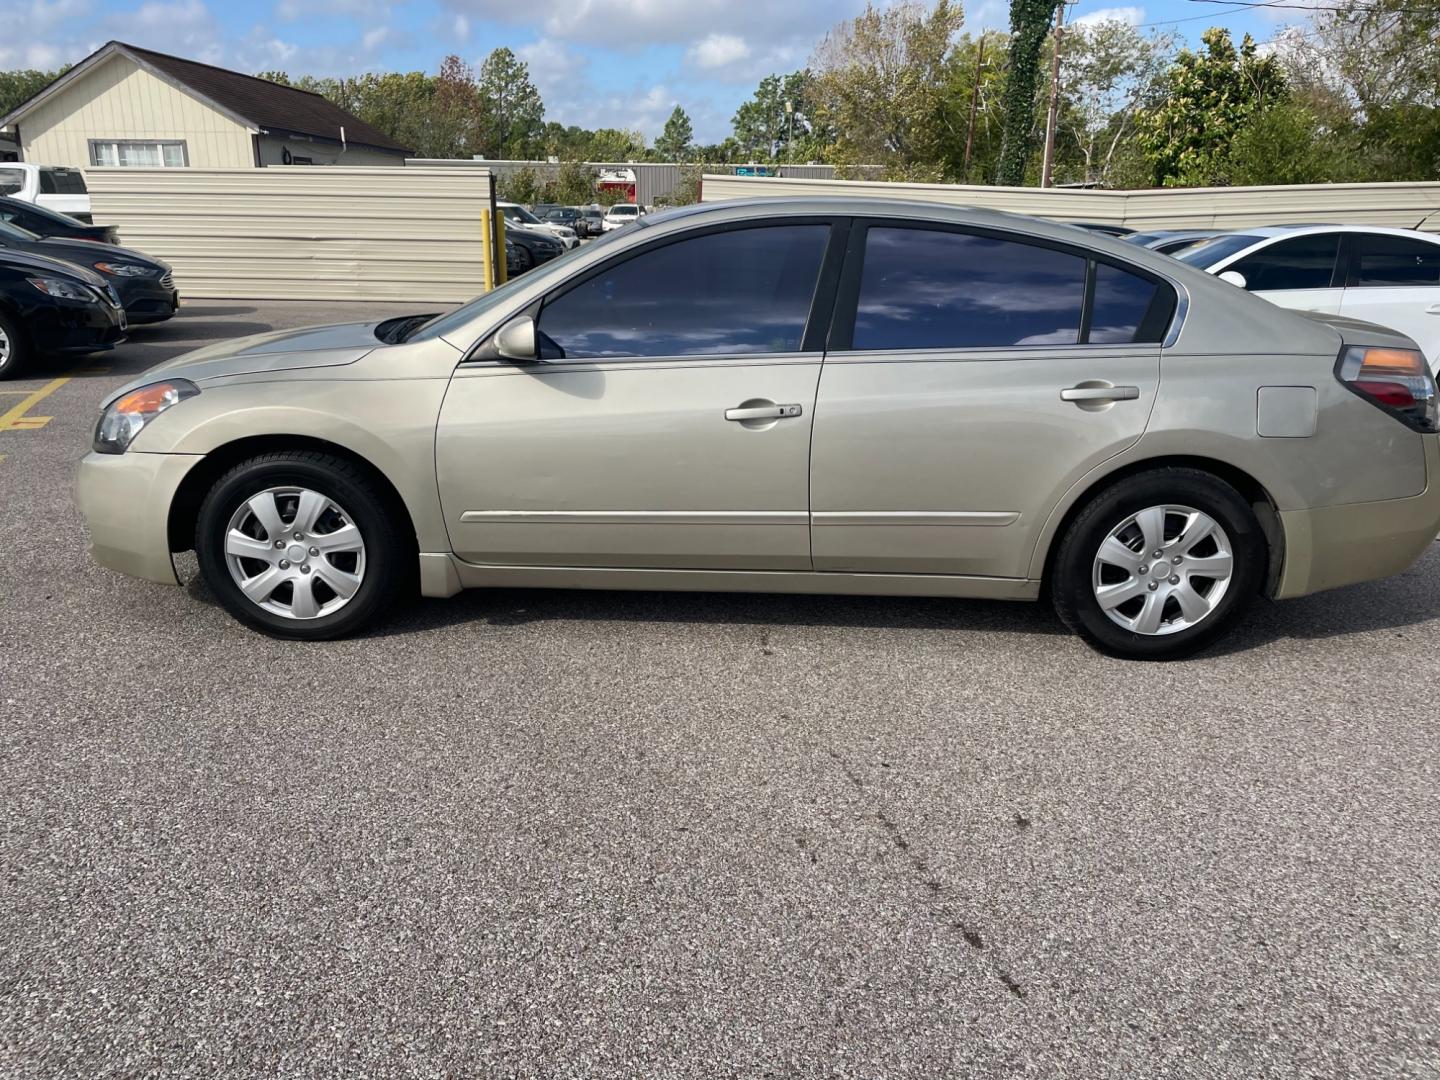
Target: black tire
[390,560]
[1072,583]
[18,356]
[523,259]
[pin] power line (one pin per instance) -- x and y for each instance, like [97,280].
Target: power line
[1288,5]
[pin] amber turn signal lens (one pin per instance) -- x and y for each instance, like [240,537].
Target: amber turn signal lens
[1378,363]
[148,399]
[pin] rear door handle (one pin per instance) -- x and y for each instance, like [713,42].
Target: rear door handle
[1100,393]
[763,412]
[1433,309]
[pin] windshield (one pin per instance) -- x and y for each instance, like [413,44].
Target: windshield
[519,213]
[1218,250]
[9,231]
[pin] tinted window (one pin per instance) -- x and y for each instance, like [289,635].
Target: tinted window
[742,291]
[921,289]
[11,181]
[1306,262]
[1397,260]
[61,182]
[1122,301]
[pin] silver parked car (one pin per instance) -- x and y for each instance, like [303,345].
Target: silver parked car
[805,396]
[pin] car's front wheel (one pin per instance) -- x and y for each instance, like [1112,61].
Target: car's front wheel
[1159,565]
[13,347]
[301,545]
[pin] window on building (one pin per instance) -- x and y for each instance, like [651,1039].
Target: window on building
[139,153]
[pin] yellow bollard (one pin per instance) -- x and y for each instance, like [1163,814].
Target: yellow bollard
[487,253]
[502,264]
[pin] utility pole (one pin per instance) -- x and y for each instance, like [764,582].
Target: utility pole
[1049,158]
[789,130]
[974,104]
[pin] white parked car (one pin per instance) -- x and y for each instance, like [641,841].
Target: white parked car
[620,215]
[55,187]
[518,217]
[1385,276]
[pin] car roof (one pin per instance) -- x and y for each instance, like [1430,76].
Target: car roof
[1271,231]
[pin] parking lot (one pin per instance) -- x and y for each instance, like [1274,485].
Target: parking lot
[642,835]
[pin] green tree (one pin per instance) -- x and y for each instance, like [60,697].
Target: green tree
[677,140]
[514,113]
[763,128]
[1108,72]
[973,76]
[1207,99]
[879,82]
[18,87]
[1288,144]
[612,144]
[457,111]
[1029,27]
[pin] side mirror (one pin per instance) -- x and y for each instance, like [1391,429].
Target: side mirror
[1234,277]
[516,340]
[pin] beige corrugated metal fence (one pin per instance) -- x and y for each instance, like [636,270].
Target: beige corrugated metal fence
[303,233]
[1406,206]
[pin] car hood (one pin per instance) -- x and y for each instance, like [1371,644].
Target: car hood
[29,260]
[89,252]
[279,350]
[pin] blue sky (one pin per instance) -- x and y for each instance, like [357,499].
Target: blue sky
[598,63]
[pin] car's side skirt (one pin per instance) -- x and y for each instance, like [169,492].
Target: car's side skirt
[445,575]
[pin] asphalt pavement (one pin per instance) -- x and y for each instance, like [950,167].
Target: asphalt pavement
[594,835]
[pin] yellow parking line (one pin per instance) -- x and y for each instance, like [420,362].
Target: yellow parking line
[16,417]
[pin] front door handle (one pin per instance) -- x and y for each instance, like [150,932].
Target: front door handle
[763,412]
[1100,393]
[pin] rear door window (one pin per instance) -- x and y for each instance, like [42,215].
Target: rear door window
[12,181]
[931,289]
[1395,261]
[1303,262]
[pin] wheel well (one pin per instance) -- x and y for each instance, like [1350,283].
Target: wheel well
[185,508]
[1250,489]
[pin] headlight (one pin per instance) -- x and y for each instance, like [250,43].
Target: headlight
[126,417]
[122,269]
[62,289]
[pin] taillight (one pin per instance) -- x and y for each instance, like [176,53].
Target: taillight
[1397,380]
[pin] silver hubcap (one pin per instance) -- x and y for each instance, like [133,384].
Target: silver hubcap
[1163,570]
[295,553]
[4,347]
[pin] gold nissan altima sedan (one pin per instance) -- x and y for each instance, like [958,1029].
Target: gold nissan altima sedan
[792,396]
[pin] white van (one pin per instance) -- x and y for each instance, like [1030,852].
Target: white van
[55,187]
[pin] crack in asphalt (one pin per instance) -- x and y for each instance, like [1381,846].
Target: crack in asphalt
[924,877]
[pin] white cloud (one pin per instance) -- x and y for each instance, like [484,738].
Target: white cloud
[1132,15]
[718,50]
[634,24]
[373,39]
[461,28]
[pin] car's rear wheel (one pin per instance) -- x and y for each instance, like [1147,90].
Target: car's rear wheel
[523,259]
[14,349]
[1159,565]
[301,545]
